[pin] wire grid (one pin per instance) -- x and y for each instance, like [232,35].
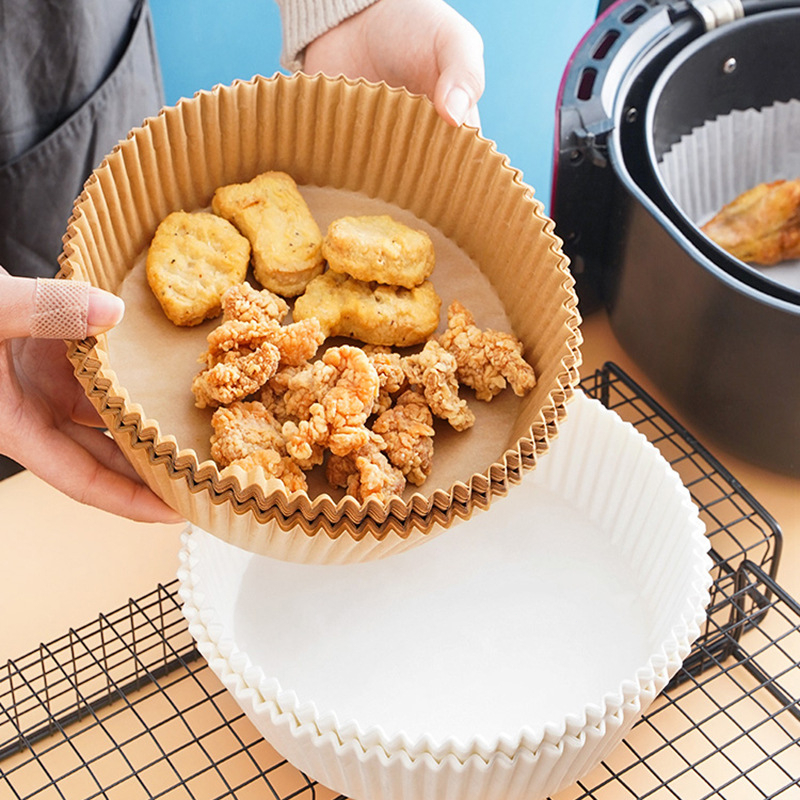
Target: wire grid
[124,707]
[731,731]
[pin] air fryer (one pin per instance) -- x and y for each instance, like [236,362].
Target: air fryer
[719,338]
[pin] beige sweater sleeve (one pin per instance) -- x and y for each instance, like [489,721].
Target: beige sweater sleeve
[305,20]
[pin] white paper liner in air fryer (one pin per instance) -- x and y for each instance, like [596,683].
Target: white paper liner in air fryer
[726,156]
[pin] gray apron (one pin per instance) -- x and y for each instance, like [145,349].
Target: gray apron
[75,77]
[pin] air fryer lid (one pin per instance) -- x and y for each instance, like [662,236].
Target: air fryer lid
[749,65]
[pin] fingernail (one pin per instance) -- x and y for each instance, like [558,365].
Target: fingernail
[105,311]
[457,104]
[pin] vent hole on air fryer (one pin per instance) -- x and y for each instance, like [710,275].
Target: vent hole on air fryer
[631,16]
[605,44]
[586,83]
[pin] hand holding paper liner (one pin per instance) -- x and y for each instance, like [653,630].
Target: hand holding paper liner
[46,421]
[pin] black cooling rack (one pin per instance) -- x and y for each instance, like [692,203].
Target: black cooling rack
[124,707]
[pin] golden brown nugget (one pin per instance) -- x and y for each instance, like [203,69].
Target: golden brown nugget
[286,241]
[192,261]
[370,312]
[378,248]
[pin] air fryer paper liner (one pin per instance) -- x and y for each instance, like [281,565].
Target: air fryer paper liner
[348,145]
[715,163]
[602,481]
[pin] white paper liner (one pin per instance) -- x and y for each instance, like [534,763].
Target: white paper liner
[648,578]
[719,160]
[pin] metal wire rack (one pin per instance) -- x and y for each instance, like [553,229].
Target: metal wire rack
[124,707]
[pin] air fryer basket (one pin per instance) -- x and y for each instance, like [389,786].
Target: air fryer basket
[717,337]
[753,64]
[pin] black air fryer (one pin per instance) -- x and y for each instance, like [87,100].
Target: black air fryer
[718,337]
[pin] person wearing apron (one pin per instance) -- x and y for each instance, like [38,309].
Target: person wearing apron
[76,77]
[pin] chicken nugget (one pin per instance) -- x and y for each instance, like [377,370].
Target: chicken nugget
[192,261]
[379,249]
[370,312]
[286,240]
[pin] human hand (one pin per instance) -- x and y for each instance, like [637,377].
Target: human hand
[424,45]
[47,423]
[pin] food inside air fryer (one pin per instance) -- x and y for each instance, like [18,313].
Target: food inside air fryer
[762,225]
[284,399]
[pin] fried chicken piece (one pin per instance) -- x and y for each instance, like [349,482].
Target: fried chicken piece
[486,359]
[191,262]
[296,342]
[301,387]
[232,336]
[366,472]
[308,398]
[276,466]
[247,304]
[761,225]
[344,385]
[280,382]
[290,394]
[272,398]
[389,367]
[242,429]
[378,248]
[306,438]
[248,435]
[243,356]
[235,375]
[433,371]
[286,241]
[407,429]
[370,312]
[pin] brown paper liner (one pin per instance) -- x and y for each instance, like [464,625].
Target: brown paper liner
[381,143]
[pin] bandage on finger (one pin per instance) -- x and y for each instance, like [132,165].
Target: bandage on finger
[61,309]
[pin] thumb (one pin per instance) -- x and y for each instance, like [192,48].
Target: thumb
[459,53]
[48,308]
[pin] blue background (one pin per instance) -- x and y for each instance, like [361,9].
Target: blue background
[527,46]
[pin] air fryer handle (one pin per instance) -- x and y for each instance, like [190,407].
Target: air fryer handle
[584,185]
